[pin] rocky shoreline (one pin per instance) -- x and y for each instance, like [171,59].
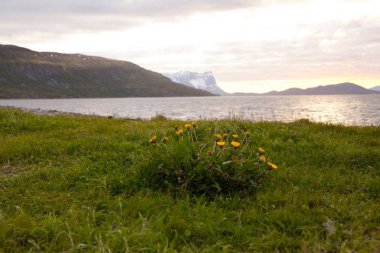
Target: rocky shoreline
[39,111]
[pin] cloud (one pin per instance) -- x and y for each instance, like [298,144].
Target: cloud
[47,16]
[145,8]
[40,9]
[56,17]
[332,49]
[239,40]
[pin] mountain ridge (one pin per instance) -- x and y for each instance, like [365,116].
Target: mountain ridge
[375,88]
[204,81]
[332,89]
[25,73]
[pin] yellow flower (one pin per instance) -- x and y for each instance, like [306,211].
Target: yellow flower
[235,136]
[165,139]
[225,135]
[153,139]
[188,126]
[194,124]
[180,132]
[272,166]
[221,144]
[218,136]
[235,144]
[262,159]
[261,151]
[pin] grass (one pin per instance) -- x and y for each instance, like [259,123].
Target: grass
[64,187]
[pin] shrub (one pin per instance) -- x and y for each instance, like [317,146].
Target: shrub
[213,165]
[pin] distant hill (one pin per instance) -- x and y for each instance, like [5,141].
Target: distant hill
[245,94]
[376,88]
[28,74]
[334,89]
[203,81]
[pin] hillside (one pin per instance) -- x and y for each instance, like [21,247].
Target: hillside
[333,89]
[28,74]
[376,88]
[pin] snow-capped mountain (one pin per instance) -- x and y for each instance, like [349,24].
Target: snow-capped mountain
[203,81]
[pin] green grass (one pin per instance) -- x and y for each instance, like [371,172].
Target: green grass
[64,187]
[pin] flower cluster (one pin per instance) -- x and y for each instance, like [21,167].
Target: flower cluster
[222,141]
[192,160]
[153,140]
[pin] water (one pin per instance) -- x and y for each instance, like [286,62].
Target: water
[342,109]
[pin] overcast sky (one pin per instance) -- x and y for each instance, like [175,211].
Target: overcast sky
[249,45]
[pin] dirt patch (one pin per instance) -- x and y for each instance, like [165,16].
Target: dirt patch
[8,170]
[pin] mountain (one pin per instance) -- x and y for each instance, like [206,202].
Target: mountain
[376,88]
[333,89]
[203,81]
[245,94]
[28,74]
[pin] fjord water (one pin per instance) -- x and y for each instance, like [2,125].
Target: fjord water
[341,109]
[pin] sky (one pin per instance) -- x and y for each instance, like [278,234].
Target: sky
[249,45]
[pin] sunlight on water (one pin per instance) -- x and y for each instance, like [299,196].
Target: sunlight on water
[344,109]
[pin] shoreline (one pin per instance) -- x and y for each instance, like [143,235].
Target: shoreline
[38,111]
[42,112]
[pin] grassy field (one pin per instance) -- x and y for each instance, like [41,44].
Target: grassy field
[65,186]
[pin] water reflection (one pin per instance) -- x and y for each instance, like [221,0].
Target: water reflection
[345,109]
